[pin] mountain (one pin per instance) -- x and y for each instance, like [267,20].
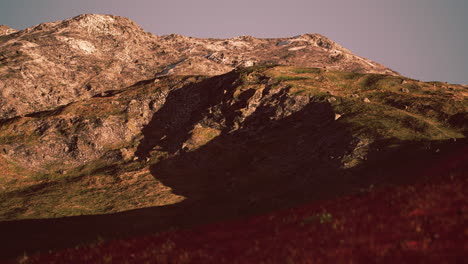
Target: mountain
[179,151]
[5,30]
[54,64]
[279,122]
[110,131]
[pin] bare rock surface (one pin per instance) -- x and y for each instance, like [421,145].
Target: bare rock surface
[173,114]
[57,63]
[6,30]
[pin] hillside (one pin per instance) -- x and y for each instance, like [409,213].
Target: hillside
[426,227]
[107,131]
[258,118]
[188,150]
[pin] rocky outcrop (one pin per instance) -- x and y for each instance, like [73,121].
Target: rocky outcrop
[171,115]
[195,66]
[6,30]
[100,128]
[58,63]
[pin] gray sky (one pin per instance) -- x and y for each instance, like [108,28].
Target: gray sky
[422,39]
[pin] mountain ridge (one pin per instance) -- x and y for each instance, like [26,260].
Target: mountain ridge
[53,64]
[6,30]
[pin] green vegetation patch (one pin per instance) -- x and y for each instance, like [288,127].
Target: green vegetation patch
[96,188]
[321,218]
[306,70]
[258,68]
[380,120]
[364,82]
[291,78]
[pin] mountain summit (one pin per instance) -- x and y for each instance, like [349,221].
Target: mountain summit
[5,30]
[57,63]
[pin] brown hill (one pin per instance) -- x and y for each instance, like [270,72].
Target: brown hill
[54,64]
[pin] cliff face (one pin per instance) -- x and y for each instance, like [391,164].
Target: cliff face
[54,64]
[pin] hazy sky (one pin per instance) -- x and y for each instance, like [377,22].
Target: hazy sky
[422,39]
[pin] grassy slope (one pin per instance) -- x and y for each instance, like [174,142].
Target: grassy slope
[398,102]
[418,223]
[100,186]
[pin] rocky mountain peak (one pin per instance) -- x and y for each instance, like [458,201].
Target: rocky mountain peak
[53,64]
[89,24]
[6,30]
[103,24]
[320,41]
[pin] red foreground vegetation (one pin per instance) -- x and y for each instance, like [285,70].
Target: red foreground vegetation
[418,223]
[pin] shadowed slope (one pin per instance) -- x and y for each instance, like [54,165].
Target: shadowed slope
[211,193]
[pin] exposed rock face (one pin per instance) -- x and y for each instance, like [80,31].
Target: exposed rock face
[195,66]
[81,132]
[175,114]
[58,63]
[5,30]
[308,50]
